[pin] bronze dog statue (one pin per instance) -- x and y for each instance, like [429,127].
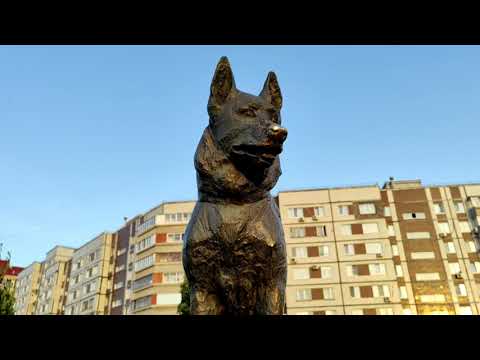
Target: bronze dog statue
[234,253]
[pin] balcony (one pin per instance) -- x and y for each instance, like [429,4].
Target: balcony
[164,219]
[150,223]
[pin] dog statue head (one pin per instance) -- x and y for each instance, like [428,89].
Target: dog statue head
[246,127]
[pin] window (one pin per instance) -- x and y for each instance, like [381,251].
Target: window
[450,247]
[414,216]
[328,293]
[297,232]
[142,302]
[352,270]
[398,270]
[385,311]
[117,303]
[177,217]
[118,285]
[421,255]
[326,272]
[343,210]
[120,268]
[366,209]
[304,294]
[391,230]
[454,268]
[464,227]
[143,282]
[386,211]
[472,247]
[403,292]
[92,257]
[301,274]
[461,290]
[418,235]
[427,276]
[381,291]
[475,267]
[91,272]
[465,310]
[376,269]
[355,292]
[319,211]
[89,287]
[121,252]
[346,229]
[373,248]
[443,227]
[169,257]
[370,228]
[459,207]
[144,263]
[322,231]
[324,250]
[147,224]
[438,208]
[362,270]
[295,213]
[145,243]
[349,249]
[395,250]
[175,237]
[299,252]
[172,277]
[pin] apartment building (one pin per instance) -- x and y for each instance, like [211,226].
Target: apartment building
[26,289]
[91,277]
[400,249]
[53,281]
[157,258]
[123,272]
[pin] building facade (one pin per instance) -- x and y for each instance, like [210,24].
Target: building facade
[123,269]
[26,289]
[90,278]
[400,249]
[53,281]
[157,258]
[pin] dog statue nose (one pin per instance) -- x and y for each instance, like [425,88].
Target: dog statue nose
[278,133]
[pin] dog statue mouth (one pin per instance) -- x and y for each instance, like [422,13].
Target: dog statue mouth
[264,153]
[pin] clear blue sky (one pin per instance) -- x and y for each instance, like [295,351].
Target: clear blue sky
[90,134]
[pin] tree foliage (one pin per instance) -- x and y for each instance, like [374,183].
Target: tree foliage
[184,306]
[7,293]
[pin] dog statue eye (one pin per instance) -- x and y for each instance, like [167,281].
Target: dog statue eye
[248,112]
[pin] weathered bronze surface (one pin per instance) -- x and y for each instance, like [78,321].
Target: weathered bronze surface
[234,252]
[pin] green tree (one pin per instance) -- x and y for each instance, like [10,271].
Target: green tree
[7,292]
[184,306]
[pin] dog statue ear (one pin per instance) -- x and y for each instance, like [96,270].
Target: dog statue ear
[223,83]
[271,91]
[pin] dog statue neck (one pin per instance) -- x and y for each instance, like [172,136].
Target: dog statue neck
[219,181]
